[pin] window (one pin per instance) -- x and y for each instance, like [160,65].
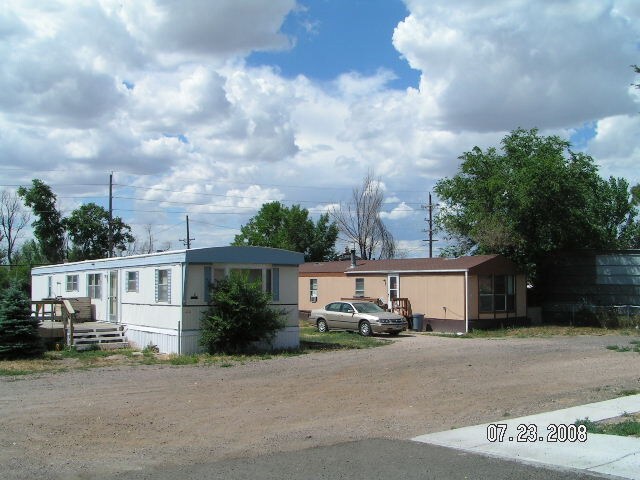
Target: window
[71,283]
[93,285]
[333,307]
[267,278]
[163,286]
[132,281]
[49,287]
[359,287]
[313,290]
[497,293]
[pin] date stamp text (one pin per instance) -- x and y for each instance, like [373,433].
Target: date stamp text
[530,432]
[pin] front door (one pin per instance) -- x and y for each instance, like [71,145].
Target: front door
[113,296]
[393,287]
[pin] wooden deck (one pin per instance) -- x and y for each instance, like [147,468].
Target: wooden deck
[86,335]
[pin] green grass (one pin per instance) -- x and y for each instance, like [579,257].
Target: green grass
[630,427]
[626,393]
[7,372]
[312,340]
[543,331]
[634,346]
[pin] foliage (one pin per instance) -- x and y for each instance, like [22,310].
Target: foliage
[532,197]
[13,219]
[360,220]
[19,337]
[239,316]
[311,339]
[48,228]
[24,258]
[279,226]
[88,227]
[626,427]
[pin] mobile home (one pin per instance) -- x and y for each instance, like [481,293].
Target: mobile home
[453,294]
[159,298]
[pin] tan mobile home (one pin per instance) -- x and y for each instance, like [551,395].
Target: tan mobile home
[454,294]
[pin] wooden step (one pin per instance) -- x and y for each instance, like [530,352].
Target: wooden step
[102,336]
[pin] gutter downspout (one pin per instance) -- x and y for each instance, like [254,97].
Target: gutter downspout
[466,301]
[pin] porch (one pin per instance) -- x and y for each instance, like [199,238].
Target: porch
[69,321]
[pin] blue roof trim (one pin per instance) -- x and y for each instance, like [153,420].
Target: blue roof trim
[197,255]
[244,255]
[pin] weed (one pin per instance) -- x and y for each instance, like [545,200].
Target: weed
[9,372]
[183,359]
[311,339]
[626,393]
[618,348]
[150,350]
[543,331]
[625,428]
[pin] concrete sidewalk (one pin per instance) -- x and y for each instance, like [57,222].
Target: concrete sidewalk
[604,454]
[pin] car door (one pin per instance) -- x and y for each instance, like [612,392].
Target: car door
[349,317]
[332,315]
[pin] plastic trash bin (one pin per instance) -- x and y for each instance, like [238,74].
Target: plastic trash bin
[418,322]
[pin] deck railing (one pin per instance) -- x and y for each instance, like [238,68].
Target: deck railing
[56,310]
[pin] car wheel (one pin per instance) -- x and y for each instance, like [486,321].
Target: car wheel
[365,329]
[322,326]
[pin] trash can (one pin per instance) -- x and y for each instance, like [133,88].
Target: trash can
[418,321]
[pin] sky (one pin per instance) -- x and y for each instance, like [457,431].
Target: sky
[210,109]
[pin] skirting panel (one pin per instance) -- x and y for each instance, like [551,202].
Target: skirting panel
[167,340]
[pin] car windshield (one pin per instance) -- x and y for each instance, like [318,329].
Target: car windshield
[367,307]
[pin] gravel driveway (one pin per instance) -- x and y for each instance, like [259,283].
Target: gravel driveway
[107,420]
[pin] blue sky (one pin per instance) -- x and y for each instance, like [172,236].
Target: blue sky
[210,109]
[331,38]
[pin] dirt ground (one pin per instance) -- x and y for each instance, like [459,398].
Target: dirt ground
[87,423]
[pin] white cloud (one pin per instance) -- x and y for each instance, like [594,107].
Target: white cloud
[399,212]
[159,92]
[502,64]
[614,147]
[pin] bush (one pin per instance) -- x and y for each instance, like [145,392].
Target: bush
[239,316]
[19,337]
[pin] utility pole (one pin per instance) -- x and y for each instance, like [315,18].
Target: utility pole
[429,230]
[187,241]
[111,215]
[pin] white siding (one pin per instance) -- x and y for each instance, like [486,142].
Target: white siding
[173,326]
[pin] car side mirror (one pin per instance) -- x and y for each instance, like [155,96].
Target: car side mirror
[350,310]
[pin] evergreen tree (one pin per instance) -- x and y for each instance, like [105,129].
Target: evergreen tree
[19,337]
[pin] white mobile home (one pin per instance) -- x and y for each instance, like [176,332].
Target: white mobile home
[159,298]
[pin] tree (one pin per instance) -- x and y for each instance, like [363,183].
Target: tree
[360,220]
[24,258]
[48,228]
[13,219]
[279,226]
[88,228]
[19,337]
[533,196]
[239,316]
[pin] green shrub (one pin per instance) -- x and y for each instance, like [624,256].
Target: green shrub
[19,337]
[239,316]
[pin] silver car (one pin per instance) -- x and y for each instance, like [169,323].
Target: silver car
[364,317]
